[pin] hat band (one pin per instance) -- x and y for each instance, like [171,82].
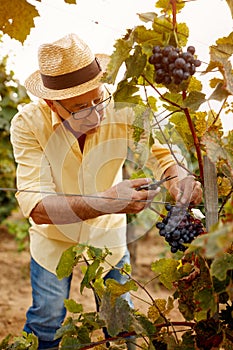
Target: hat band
[68,80]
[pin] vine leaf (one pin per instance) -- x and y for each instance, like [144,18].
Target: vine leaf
[214,243]
[71,1]
[160,306]
[221,265]
[12,13]
[194,100]
[125,93]
[122,49]
[135,63]
[167,270]
[230,4]
[147,16]
[66,264]
[220,55]
[92,271]
[214,148]
[117,316]
[72,306]
[219,93]
[167,5]
[116,289]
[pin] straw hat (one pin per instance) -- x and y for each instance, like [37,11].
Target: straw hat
[68,68]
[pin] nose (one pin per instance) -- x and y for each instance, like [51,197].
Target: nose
[95,116]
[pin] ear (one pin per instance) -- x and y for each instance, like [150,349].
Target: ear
[51,105]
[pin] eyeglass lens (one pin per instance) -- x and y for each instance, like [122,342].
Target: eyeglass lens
[87,111]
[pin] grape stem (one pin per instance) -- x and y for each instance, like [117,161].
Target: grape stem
[195,139]
[190,123]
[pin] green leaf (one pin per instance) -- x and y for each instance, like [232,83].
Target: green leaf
[221,265]
[95,253]
[182,128]
[136,63]
[147,38]
[67,328]
[194,100]
[188,341]
[70,343]
[117,289]
[147,325]
[12,14]
[72,306]
[122,50]
[162,25]
[90,275]
[124,95]
[66,264]
[205,299]
[167,271]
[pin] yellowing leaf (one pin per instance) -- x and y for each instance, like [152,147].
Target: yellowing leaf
[70,1]
[157,309]
[147,16]
[166,5]
[220,55]
[224,186]
[200,123]
[230,4]
[17,18]
[182,34]
[166,270]
[194,84]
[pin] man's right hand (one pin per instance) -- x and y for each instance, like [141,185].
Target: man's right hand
[124,198]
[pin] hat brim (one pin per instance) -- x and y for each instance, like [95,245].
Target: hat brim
[34,84]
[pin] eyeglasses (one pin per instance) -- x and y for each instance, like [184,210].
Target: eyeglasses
[85,112]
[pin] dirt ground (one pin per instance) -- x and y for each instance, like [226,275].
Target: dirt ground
[15,284]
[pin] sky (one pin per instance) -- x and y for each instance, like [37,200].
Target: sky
[101,22]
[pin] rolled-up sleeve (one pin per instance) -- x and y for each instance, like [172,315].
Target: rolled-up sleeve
[33,170]
[160,159]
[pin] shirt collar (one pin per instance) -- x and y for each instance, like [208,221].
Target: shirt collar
[56,120]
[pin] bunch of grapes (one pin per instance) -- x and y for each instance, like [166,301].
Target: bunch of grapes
[172,65]
[179,227]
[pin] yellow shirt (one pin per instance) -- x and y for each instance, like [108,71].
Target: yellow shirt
[49,160]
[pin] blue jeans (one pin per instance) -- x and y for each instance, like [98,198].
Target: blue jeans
[47,312]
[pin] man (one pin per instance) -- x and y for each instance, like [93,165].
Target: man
[71,141]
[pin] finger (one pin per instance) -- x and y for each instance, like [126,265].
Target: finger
[140,181]
[192,194]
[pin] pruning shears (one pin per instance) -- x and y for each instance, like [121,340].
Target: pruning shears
[155,184]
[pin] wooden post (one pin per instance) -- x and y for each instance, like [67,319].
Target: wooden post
[210,193]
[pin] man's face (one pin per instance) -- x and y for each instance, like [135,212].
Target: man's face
[78,112]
